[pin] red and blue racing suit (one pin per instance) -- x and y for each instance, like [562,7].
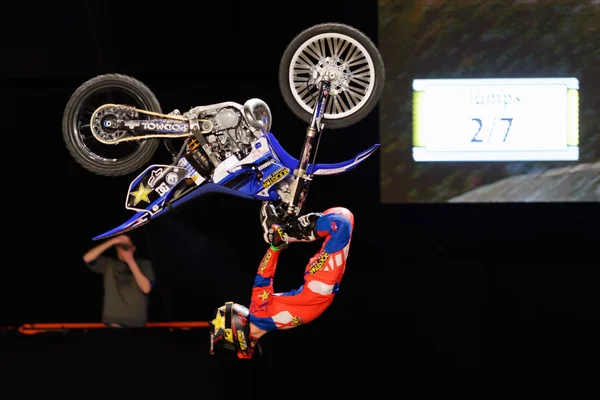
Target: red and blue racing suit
[271,311]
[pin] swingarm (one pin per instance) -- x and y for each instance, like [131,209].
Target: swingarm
[115,123]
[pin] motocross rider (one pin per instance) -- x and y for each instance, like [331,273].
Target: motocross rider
[238,328]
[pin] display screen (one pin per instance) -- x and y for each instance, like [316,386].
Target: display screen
[490,104]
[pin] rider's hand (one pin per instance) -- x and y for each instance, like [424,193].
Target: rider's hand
[122,239]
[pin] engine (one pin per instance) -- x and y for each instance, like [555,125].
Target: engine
[231,135]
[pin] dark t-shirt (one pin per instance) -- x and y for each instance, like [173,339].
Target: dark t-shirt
[124,302]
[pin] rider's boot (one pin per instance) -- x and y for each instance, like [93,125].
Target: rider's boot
[278,232]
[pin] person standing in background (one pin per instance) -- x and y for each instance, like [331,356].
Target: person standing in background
[128,282]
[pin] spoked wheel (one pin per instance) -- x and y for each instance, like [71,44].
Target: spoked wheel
[105,159]
[355,62]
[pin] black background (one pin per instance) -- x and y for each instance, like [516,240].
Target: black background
[429,288]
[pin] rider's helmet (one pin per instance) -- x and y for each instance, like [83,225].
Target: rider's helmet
[230,329]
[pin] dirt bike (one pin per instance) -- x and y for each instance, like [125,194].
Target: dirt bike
[330,74]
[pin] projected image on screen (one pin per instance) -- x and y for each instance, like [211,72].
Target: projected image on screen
[490,101]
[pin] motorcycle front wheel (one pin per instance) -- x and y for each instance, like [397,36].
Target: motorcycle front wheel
[102,159]
[351,55]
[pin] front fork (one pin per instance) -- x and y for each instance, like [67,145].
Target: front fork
[302,177]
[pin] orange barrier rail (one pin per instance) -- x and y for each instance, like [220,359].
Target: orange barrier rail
[32,329]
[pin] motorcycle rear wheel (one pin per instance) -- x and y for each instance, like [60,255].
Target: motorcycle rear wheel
[348,51]
[76,119]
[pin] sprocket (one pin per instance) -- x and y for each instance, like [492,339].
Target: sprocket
[107,122]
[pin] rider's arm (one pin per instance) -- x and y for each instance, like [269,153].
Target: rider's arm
[142,281]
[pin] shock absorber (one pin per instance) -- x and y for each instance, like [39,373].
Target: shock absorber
[196,157]
[197,132]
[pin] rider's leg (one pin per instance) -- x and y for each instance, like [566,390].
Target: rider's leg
[262,290]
